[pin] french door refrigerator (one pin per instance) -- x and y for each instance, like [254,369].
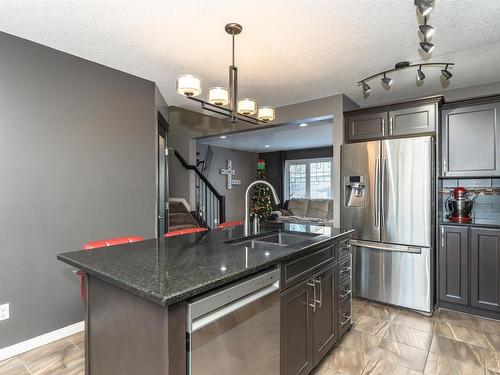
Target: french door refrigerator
[387,197]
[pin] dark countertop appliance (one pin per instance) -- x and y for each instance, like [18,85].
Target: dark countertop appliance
[459,206]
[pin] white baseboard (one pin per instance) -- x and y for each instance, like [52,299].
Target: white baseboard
[36,342]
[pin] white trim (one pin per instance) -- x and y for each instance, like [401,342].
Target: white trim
[307,162]
[36,342]
[182,200]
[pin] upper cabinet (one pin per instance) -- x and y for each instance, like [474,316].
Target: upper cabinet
[412,118]
[470,135]
[366,126]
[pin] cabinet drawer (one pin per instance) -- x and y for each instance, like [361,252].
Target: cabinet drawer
[415,120]
[344,291]
[345,269]
[299,269]
[344,248]
[344,318]
[366,126]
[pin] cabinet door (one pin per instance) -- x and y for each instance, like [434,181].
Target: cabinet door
[453,264]
[416,120]
[485,268]
[324,318]
[366,126]
[469,142]
[297,330]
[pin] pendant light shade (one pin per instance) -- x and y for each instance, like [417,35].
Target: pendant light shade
[247,107]
[218,96]
[188,85]
[386,81]
[420,74]
[427,46]
[426,30]
[265,114]
[424,6]
[446,74]
[366,87]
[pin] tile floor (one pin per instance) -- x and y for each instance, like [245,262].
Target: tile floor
[384,340]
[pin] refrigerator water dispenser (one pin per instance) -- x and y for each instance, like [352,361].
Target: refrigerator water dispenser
[355,191]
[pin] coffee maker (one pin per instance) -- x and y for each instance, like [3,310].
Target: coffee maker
[459,206]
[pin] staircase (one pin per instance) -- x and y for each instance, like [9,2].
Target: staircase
[179,217]
[210,207]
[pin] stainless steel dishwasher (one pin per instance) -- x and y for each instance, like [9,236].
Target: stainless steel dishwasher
[236,329]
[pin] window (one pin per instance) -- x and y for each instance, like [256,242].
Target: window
[308,178]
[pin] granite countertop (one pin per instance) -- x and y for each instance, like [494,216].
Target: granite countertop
[166,271]
[476,222]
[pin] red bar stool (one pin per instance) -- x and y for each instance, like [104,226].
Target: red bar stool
[104,243]
[229,224]
[179,232]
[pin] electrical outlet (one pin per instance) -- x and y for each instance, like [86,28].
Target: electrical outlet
[4,311]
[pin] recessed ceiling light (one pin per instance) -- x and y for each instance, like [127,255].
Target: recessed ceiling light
[303,125]
[267,146]
[223,137]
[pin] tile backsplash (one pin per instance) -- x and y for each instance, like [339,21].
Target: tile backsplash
[485,206]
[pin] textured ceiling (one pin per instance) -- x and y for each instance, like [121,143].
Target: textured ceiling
[290,50]
[277,138]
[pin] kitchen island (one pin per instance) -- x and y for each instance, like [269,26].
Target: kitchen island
[135,310]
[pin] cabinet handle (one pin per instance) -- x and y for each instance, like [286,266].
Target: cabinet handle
[347,318]
[346,293]
[313,305]
[318,281]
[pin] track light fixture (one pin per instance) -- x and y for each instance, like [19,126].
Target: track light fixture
[446,73]
[366,87]
[427,46]
[426,30]
[420,74]
[424,6]
[387,82]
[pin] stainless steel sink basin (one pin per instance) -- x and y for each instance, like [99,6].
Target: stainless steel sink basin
[277,239]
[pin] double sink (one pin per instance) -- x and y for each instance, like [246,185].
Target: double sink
[272,240]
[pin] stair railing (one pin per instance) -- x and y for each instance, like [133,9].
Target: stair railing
[210,205]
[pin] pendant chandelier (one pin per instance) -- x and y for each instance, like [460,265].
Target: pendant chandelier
[224,101]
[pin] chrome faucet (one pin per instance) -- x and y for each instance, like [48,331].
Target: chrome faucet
[246,231]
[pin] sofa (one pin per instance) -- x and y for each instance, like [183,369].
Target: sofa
[306,211]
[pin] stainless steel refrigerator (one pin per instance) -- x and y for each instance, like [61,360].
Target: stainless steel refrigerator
[387,195]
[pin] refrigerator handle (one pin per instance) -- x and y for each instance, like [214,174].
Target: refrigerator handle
[377,192]
[382,192]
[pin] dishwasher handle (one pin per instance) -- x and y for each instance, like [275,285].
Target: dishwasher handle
[211,317]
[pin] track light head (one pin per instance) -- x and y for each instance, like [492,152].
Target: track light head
[446,73]
[426,30]
[366,87]
[420,74]
[427,46]
[386,81]
[423,6]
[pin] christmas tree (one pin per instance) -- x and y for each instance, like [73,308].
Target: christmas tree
[261,199]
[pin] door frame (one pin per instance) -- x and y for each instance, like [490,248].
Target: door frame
[162,128]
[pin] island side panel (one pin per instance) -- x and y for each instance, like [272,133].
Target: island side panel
[125,333]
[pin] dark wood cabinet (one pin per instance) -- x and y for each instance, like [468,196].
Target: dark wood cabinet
[324,318]
[485,268]
[470,139]
[310,308]
[453,260]
[469,269]
[402,119]
[297,356]
[406,121]
[366,126]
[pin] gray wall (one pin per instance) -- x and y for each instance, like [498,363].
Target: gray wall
[245,165]
[77,143]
